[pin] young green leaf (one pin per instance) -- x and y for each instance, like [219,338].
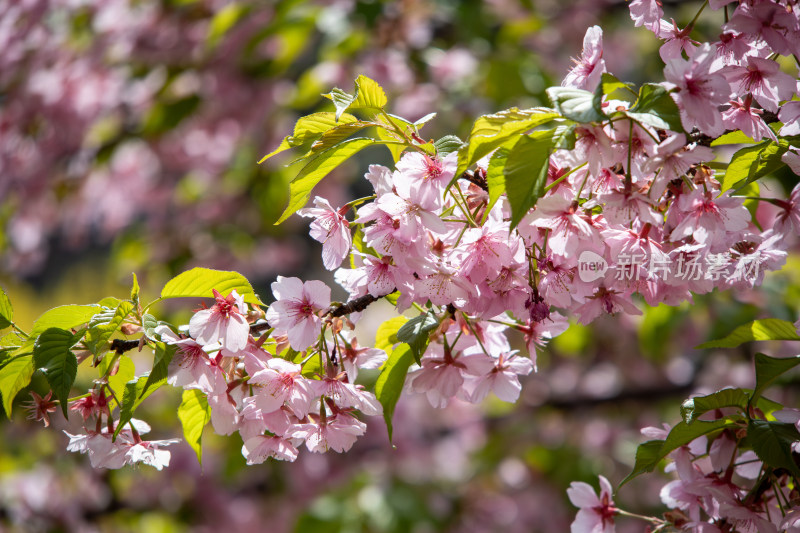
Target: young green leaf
[575,104]
[163,356]
[648,455]
[772,442]
[492,131]
[15,376]
[386,335]
[52,354]
[768,329]
[391,380]
[194,413]
[768,369]
[6,311]
[317,168]
[64,317]
[656,108]
[200,282]
[135,290]
[447,145]
[753,162]
[692,408]
[525,172]
[310,128]
[126,371]
[495,176]
[369,95]
[341,101]
[132,398]
[416,331]
[104,325]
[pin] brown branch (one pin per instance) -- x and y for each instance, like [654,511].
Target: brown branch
[477,177]
[122,345]
[354,306]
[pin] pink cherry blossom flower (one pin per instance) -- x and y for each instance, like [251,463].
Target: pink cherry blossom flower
[422,176]
[596,514]
[606,301]
[700,92]
[282,382]
[296,310]
[353,356]
[380,178]
[763,79]
[709,219]
[347,395]
[257,449]
[40,408]
[94,404]
[225,322]
[590,66]
[331,229]
[503,379]
[569,226]
[621,207]
[790,116]
[677,41]
[537,334]
[788,220]
[442,373]
[191,367]
[646,13]
[338,432]
[674,158]
[741,116]
[150,453]
[768,21]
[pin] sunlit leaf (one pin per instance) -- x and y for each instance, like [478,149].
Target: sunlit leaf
[391,380]
[200,282]
[194,413]
[15,376]
[692,408]
[759,330]
[6,311]
[416,332]
[525,172]
[52,354]
[753,162]
[575,104]
[386,335]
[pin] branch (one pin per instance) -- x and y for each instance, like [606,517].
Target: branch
[354,306]
[705,140]
[478,178]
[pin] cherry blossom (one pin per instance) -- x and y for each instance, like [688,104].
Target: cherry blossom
[296,310]
[225,322]
[331,229]
[596,514]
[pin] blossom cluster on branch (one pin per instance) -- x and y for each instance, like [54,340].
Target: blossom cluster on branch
[586,208]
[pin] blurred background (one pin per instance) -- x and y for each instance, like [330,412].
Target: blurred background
[129,136]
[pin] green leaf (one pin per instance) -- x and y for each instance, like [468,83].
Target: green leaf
[369,95]
[492,131]
[104,325]
[495,177]
[739,137]
[194,413]
[768,329]
[648,456]
[135,290]
[692,408]
[575,104]
[768,369]
[6,311]
[317,168]
[15,376]
[772,442]
[391,380]
[126,371]
[336,135]
[163,356]
[310,128]
[53,355]
[753,162]
[224,20]
[341,101]
[447,145]
[656,108]
[416,331]
[199,282]
[612,87]
[386,335]
[525,172]
[64,317]
[149,324]
[132,398]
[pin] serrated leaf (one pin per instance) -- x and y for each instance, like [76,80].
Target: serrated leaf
[158,375]
[772,442]
[386,335]
[768,369]
[525,172]
[335,135]
[132,398]
[575,104]
[393,142]
[391,380]
[692,408]
[680,435]
[341,100]
[612,87]
[416,332]
[64,317]
[6,311]
[194,413]
[104,325]
[52,354]
[753,162]
[768,329]
[369,95]
[15,376]
[648,455]
[447,145]
[149,324]
[656,108]
[317,168]
[424,120]
[200,282]
[491,131]
[739,137]
[495,177]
